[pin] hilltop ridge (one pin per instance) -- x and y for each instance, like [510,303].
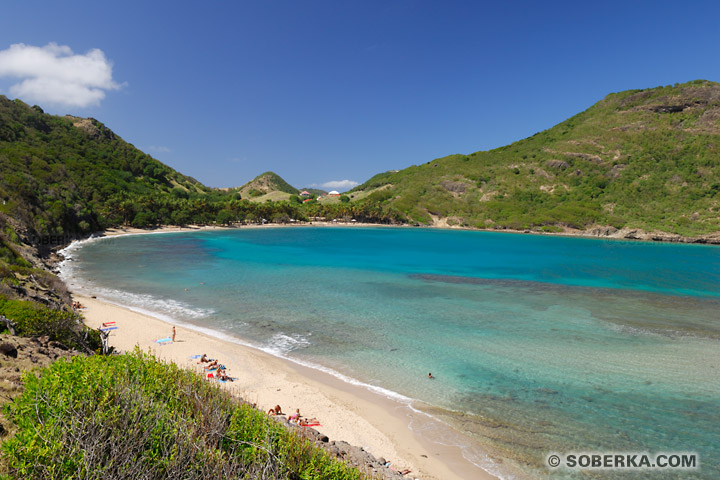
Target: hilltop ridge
[267,185]
[640,159]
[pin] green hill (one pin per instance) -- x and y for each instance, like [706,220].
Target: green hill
[267,185]
[64,177]
[646,159]
[59,174]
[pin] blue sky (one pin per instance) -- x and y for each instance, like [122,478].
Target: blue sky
[323,91]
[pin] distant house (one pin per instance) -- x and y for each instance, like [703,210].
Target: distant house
[334,192]
[305,193]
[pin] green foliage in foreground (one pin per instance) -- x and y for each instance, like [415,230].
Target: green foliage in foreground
[34,320]
[131,416]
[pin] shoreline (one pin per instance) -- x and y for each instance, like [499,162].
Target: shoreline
[395,414]
[380,442]
[598,232]
[348,412]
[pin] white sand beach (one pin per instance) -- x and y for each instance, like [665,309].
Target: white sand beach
[347,412]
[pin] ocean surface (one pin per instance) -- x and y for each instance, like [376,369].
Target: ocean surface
[538,344]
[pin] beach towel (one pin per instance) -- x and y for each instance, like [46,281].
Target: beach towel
[107,329]
[108,324]
[164,341]
[312,425]
[195,356]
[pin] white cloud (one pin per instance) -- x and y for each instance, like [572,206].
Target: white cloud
[53,74]
[340,184]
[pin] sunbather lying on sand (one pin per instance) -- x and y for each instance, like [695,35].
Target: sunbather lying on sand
[404,471]
[210,365]
[309,422]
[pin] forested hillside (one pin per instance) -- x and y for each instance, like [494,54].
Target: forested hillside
[645,159]
[67,176]
[58,175]
[64,177]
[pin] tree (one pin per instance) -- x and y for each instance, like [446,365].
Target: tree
[142,220]
[225,216]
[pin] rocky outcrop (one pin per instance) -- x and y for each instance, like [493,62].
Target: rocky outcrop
[376,468]
[8,349]
[643,235]
[91,127]
[453,186]
[561,164]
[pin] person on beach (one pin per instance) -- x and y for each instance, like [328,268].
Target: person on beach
[295,416]
[173,334]
[305,422]
[430,375]
[210,365]
[204,358]
[276,410]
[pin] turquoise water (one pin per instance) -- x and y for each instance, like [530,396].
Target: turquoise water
[538,344]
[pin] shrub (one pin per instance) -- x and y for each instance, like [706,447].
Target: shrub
[132,416]
[33,320]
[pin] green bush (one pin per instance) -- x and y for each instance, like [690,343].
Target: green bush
[34,320]
[132,416]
